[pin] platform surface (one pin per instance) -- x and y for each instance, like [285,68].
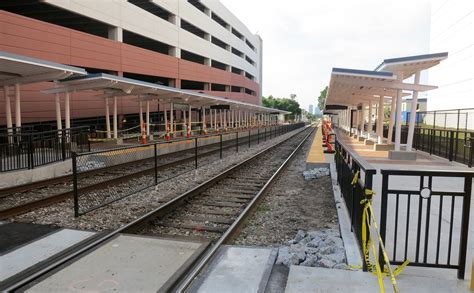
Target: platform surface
[319,280]
[316,157]
[238,269]
[127,263]
[39,250]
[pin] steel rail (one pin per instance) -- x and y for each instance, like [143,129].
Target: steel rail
[135,224]
[5,192]
[234,229]
[56,198]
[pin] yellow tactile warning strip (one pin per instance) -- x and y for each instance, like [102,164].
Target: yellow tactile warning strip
[316,153]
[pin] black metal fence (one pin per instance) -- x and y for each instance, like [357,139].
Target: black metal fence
[27,150]
[454,119]
[452,144]
[425,217]
[354,177]
[103,177]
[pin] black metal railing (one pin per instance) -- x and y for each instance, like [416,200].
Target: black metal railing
[354,177]
[27,150]
[451,144]
[127,170]
[454,145]
[425,217]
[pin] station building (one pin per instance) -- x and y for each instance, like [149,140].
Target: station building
[192,45]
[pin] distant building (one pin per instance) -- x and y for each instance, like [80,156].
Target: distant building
[310,109]
[317,111]
[420,107]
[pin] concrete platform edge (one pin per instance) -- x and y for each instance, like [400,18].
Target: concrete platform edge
[353,255]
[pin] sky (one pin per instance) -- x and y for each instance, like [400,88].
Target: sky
[304,39]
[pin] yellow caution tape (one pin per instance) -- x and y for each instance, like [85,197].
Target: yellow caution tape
[356,177]
[367,244]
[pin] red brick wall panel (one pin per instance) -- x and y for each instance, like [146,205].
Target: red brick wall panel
[25,36]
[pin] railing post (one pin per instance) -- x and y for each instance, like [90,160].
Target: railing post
[196,152]
[265,135]
[88,142]
[220,146]
[74,184]
[30,152]
[155,149]
[432,133]
[249,138]
[471,149]
[63,145]
[383,215]
[236,141]
[451,145]
[466,207]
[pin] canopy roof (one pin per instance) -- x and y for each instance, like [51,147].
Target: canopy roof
[24,70]
[116,86]
[407,66]
[353,86]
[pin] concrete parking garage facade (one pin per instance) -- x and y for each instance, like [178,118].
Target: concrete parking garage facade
[194,45]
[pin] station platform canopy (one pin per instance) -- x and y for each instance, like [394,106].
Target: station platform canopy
[359,90]
[408,66]
[352,86]
[355,86]
[18,69]
[116,86]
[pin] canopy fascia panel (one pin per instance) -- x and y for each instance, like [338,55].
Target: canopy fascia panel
[117,86]
[19,69]
[354,86]
[341,93]
[408,66]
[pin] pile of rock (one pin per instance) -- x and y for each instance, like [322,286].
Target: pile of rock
[315,173]
[323,248]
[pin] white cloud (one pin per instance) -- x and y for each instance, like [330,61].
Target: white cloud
[304,39]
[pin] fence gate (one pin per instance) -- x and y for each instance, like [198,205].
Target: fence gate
[425,217]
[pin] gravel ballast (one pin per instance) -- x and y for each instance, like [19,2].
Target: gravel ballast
[132,207]
[291,204]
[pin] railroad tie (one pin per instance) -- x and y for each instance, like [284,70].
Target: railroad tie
[221,204]
[196,227]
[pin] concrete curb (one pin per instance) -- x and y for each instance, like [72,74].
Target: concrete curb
[353,255]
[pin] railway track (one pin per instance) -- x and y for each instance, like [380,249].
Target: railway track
[215,210]
[21,199]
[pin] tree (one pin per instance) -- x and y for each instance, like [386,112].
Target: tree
[285,104]
[322,98]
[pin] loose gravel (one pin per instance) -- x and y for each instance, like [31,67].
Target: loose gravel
[323,248]
[126,210]
[292,204]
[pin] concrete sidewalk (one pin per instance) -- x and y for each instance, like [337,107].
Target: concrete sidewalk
[322,280]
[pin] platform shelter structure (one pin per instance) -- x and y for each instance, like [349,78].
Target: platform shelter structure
[17,70]
[223,113]
[356,95]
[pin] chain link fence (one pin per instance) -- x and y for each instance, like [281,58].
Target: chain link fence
[103,177]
